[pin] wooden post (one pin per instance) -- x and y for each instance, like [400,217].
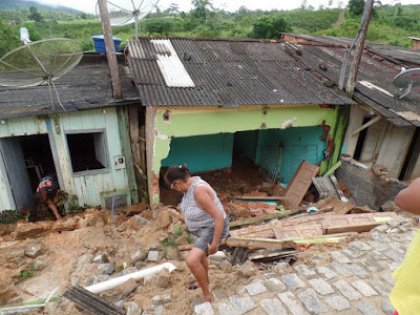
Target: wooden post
[354,54]
[110,50]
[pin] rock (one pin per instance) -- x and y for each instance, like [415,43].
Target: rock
[40,264]
[389,206]
[93,218]
[138,255]
[162,280]
[101,259]
[247,270]
[180,266]
[150,280]
[172,253]
[33,249]
[30,230]
[140,265]
[154,255]
[65,225]
[164,220]
[132,308]
[120,304]
[161,299]
[137,222]
[107,268]
[203,309]
[122,227]
[225,265]
[127,287]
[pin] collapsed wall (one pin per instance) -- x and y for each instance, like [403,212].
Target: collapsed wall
[366,186]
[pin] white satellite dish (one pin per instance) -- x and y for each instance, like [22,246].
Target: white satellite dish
[406,80]
[40,62]
[124,12]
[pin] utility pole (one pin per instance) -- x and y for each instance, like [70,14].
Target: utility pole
[353,55]
[110,50]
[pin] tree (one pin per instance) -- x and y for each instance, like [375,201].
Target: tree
[8,38]
[201,8]
[356,7]
[35,15]
[270,27]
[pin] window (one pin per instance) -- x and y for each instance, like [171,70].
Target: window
[87,151]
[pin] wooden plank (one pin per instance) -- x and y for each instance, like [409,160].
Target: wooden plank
[310,219]
[300,184]
[263,231]
[297,231]
[355,222]
[263,218]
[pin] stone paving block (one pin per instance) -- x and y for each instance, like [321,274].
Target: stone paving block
[311,301]
[387,277]
[338,302]
[381,246]
[358,270]
[273,307]
[371,264]
[376,254]
[360,245]
[292,303]
[395,256]
[398,247]
[353,253]
[226,308]
[342,269]
[326,272]
[393,266]
[381,286]
[203,309]
[304,270]
[364,288]
[340,257]
[386,306]
[321,286]
[275,285]
[347,290]
[242,304]
[255,288]
[368,309]
[292,281]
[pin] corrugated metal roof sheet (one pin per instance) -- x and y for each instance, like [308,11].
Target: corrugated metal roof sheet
[87,86]
[374,85]
[229,73]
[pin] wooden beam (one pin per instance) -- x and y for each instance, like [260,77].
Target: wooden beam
[368,124]
[263,218]
[110,50]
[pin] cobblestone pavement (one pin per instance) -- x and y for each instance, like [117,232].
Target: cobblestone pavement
[356,280]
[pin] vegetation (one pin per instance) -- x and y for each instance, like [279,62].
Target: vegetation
[391,24]
[27,273]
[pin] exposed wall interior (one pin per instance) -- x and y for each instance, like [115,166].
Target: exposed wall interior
[188,134]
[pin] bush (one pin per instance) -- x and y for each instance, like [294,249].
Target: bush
[269,27]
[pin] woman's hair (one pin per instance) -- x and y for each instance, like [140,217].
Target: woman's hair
[177,172]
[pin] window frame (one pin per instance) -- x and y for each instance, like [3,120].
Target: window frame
[104,170]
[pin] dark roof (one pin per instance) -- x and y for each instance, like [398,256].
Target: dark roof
[374,69]
[396,54]
[87,86]
[229,73]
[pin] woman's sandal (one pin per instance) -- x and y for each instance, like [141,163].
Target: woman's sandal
[193,285]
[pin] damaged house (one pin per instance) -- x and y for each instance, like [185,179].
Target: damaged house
[87,145]
[383,129]
[205,101]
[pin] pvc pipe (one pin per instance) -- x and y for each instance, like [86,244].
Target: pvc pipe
[115,282]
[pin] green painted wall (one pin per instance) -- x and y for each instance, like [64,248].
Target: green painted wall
[288,148]
[201,153]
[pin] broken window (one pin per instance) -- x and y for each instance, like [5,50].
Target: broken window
[87,151]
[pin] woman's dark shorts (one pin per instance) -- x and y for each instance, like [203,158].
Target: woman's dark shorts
[204,236]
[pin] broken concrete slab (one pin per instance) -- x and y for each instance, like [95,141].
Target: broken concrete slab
[154,255]
[33,249]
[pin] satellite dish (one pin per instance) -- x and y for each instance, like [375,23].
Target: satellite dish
[40,62]
[124,12]
[406,80]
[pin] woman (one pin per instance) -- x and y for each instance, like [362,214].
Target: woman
[48,192]
[205,218]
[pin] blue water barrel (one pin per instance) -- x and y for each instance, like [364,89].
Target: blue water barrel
[99,43]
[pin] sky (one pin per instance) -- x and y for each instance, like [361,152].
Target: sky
[229,5]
